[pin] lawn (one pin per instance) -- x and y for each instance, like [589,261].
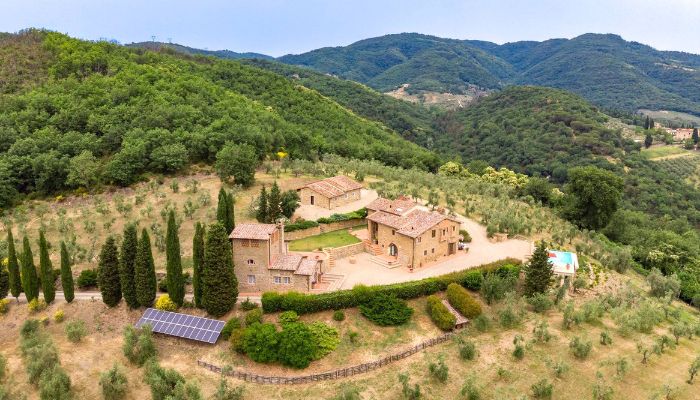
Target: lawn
[329,239]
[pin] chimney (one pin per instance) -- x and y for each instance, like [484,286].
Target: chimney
[280,228]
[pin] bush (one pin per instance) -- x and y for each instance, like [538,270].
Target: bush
[465,235]
[231,325]
[36,305]
[138,345]
[441,316]
[605,338]
[341,299]
[260,342]
[580,348]
[540,302]
[519,350]
[467,350]
[223,392]
[462,301]
[54,384]
[409,392]
[167,384]
[3,367]
[386,310]
[76,330]
[541,332]
[481,323]
[253,316]
[163,285]
[472,280]
[236,340]
[164,303]
[288,317]
[247,305]
[296,345]
[300,225]
[113,383]
[59,316]
[338,315]
[542,390]
[87,278]
[439,370]
[470,390]
[4,306]
[326,339]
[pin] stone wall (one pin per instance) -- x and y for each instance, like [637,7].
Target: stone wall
[347,251]
[322,228]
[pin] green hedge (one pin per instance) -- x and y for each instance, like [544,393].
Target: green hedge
[441,316]
[462,301]
[299,225]
[358,214]
[310,303]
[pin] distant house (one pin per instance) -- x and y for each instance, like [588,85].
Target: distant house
[330,192]
[407,236]
[262,262]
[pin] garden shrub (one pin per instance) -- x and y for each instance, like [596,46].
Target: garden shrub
[296,346]
[230,326]
[441,316]
[87,278]
[605,338]
[236,340]
[540,302]
[462,301]
[288,317]
[138,345]
[386,310]
[439,370]
[113,383]
[409,392]
[76,330]
[247,305]
[253,316]
[54,384]
[260,342]
[541,332]
[300,225]
[39,358]
[223,392]
[59,316]
[326,339]
[4,306]
[467,350]
[338,315]
[341,299]
[465,235]
[472,280]
[164,303]
[580,348]
[519,348]
[481,323]
[168,384]
[542,390]
[36,305]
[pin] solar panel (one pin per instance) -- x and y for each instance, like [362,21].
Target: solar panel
[182,325]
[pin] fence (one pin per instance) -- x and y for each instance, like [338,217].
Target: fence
[325,376]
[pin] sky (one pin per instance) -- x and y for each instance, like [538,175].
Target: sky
[278,27]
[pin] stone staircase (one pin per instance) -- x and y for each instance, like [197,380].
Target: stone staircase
[371,248]
[385,261]
[329,282]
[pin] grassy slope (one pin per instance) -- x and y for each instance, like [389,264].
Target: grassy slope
[329,239]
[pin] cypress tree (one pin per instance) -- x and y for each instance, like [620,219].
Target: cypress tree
[648,140]
[145,272]
[219,284]
[175,281]
[13,266]
[538,272]
[198,263]
[108,273]
[127,259]
[273,204]
[261,213]
[230,209]
[222,207]
[30,280]
[696,137]
[48,282]
[4,282]
[66,274]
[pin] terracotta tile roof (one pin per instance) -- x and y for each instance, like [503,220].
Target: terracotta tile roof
[253,231]
[334,187]
[307,267]
[412,224]
[400,206]
[287,262]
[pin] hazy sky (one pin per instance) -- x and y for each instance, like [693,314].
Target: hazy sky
[278,27]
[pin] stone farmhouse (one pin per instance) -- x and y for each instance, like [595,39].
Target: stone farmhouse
[330,192]
[263,263]
[402,234]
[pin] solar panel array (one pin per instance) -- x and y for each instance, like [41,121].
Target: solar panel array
[182,325]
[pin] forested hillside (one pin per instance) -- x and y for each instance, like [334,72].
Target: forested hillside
[228,54]
[80,114]
[604,69]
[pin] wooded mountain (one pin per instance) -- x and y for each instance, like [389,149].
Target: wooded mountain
[604,69]
[226,54]
[103,113]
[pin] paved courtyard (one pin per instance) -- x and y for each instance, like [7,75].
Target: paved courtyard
[312,213]
[481,251]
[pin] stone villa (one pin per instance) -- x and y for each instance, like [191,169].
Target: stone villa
[401,234]
[330,192]
[263,263]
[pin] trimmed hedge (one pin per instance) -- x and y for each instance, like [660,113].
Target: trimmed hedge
[441,316]
[462,301]
[310,303]
[303,224]
[300,225]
